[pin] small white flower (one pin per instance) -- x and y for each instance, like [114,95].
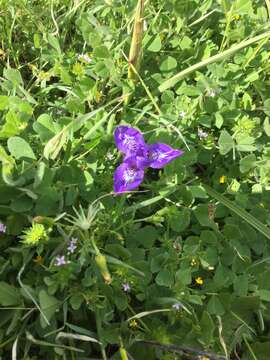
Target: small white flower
[126,287]
[177,306]
[182,114]
[145,25]
[85,58]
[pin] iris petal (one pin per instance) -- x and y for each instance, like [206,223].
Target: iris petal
[128,140]
[160,155]
[128,176]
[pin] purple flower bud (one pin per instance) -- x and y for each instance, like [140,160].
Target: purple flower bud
[60,260]
[3,228]
[126,287]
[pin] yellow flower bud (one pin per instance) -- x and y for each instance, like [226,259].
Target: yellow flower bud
[222,179]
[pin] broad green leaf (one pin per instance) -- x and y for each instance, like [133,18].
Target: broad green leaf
[48,304]
[146,236]
[19,148]
[247,163]
[44,126]
[101,52]
[168,64]
[183,276]
[14,76]
[264,295]
[165,278]
[225,142]
[215,307]
[202,215]
[240,285]
[53,41]
[208,328]
[3,102]
[266,126]
[9,295]
[155,44]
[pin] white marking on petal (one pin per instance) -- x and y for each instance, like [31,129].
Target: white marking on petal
[129,175]
[130,142]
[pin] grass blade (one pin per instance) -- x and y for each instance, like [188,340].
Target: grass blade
[250,219]
[146,313]
[218,57]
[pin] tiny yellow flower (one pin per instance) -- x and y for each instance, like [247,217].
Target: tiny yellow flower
[119,237]
[44,75]
[34,235]
[236,17]
[193,262]
[222,179]
[199,280]
[133,324]
[39,260]
[162,37]
[98,96]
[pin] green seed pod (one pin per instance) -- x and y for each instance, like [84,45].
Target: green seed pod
[102,265]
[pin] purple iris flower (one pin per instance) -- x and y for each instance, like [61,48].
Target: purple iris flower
[138,156]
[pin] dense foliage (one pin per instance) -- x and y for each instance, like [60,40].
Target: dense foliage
[184,260]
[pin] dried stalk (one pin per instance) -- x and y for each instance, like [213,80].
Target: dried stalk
[188,352]
[136,43]
[268,6]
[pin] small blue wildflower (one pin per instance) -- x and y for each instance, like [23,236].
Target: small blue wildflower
[72,246]
[126,287]
[182,114]
[3,228]
[85,58]
[109,156]
[60,260]
[212,92]
[177,306]
[202,134]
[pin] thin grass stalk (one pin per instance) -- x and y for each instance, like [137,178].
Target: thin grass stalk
[218,57]
[250,219]
[136,42]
